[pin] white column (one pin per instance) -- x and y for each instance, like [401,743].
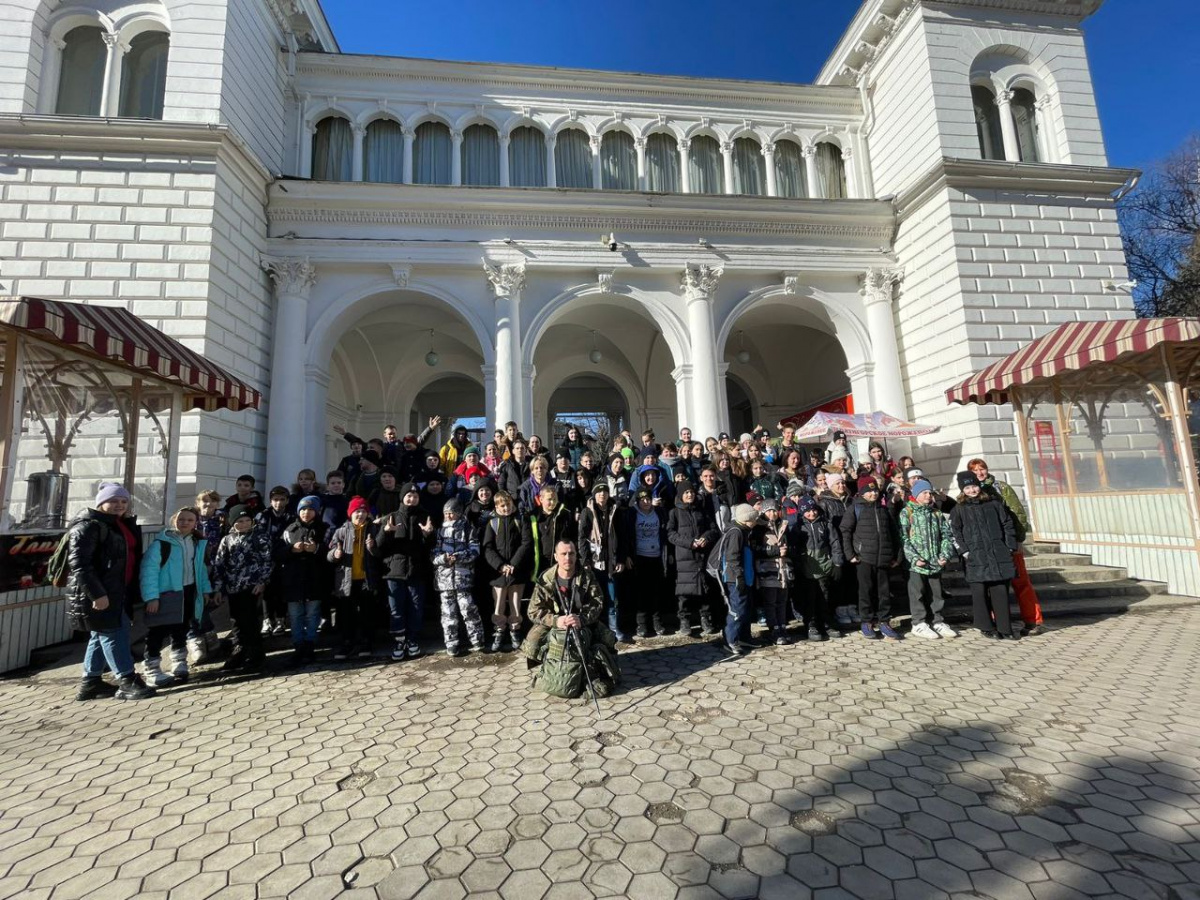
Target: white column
[1012,149]
[51,72]
[723,381]
[683,394]
[699,285]
[505,176]
[551,169]
[878,288]
[1042,129]
[506,282]
[110,96]
[597,179]
[639,145]
[727,161]
[286,433]
[525,412]
[489,397]
[685,175]
[407,166]
[768,152]
[456,157]
[306,147]
[851,177]
[810,172]
[356,162]
[316,396]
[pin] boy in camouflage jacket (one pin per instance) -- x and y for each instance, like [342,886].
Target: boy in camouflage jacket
[928,548]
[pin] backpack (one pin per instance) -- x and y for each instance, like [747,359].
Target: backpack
[58,569]
[715,564]
[561,673]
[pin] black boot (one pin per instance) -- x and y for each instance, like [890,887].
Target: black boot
[643,630]
[659,627]
[685,627]
[706,625]
[131,687]
[93,687]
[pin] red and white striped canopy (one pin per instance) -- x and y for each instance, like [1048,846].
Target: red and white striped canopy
[117,335]
[1069,348]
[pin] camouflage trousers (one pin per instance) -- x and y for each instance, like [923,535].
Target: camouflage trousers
[459,606]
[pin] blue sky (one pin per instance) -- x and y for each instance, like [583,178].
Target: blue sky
[1144,53]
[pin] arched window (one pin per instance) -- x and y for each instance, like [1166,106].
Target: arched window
[333,149]
[789,170]
[831,169]
[81,84]
[662,163]
[431,154]
[480,155]
[144,76]
[749,167]
[618,162]
[573,159]
[526,157]
[704,165]
[1025,118]
[987,123]
[383,152]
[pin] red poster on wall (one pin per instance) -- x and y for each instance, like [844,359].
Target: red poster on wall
[839,406]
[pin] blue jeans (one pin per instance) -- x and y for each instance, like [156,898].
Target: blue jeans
[608,586]
[406,603]
[306,617]
[738,619]
[109,649]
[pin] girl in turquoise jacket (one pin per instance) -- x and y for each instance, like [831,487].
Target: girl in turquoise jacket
[175,584]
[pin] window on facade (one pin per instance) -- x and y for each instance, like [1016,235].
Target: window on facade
[144,76]
[749,167]
[333,150]
[383,152]
[987,123]
[618,162]
[81,84]
[1024,113]
[704,165]
[526,157]
[831,169]
[480,155]
[789,170]
[432,150]
[573,159]
[662,163]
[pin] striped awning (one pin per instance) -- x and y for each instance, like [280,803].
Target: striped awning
[116,335]
[1069,348]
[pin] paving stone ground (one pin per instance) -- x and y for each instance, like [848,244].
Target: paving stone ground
[1063,766]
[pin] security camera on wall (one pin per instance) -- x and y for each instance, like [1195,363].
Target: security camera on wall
[611,240]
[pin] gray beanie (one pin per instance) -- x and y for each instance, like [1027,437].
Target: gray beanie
[745,514]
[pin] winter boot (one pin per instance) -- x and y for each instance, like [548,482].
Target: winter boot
[93,687]
[131,687]
[514,635]
[153,673]
[685,627]
[497,640]
[659,627]
[179,665]
[706,625]
[643,630]
[197,649]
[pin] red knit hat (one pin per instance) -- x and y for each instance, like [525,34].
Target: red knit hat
[867,483]
[357,503]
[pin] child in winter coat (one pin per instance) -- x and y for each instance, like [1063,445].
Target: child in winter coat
[820,559]
[693,533]
[508,551]
[773,572]
[303,574]
[202,640]
[602,548]
[241,571]
[552,523]
[735,568]
[927,547]
[174,582]
[352,552]
[871,540]
[402,542]
[986,539]
[648,527]
[455,550]
[272,522]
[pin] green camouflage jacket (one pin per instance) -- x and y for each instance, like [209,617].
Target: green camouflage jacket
[926,536]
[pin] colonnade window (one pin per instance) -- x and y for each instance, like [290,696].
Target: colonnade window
[1025,117]
[749,167]
[333,150]
[573,159]
[831,169]
[383,152]
[789,170]
[987,123]
[81,84]
[526,157]
[432,151]
[144,76]
[704,165]
[618,162]
[480,155]
[662,163]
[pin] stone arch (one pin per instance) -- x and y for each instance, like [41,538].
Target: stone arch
[378,114]
[849,330]
[413,122]
[475,117]
[404,402]
[559,374]
[562,123]
[326,111]
[617,123]
[517,120]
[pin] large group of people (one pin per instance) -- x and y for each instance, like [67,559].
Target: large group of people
[696,538]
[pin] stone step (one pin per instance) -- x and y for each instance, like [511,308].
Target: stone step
[1040,548]
[1057,560]
[1049,594]
[1058,575]
[1098,605]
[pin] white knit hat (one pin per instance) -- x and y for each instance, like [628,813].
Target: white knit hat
[745,514]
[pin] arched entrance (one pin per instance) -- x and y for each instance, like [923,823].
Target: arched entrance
[593,402]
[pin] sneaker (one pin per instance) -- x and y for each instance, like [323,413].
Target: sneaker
[1033,630]
[925,630]
[455,652]
[818,634]
[889,632]
[279,628]
[781,640]
[944,630]
[869,632]
[730,649]
[842,614]
[398,651]
[480,648]
[413,651]
[267,626]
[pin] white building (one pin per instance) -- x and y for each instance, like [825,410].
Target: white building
[317,222]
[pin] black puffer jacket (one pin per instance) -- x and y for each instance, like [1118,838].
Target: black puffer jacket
[405,550]
[869,532]
[304,576]
[96,564]
[688,523]
[986,538]
[834,507]
[507,541]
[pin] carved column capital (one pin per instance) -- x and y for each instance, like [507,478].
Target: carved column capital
[700,280]
[291,274]
[810,150]
[878,285]
[1004,98]
[507,279]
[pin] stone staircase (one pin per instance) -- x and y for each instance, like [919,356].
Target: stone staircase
[1069,584]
